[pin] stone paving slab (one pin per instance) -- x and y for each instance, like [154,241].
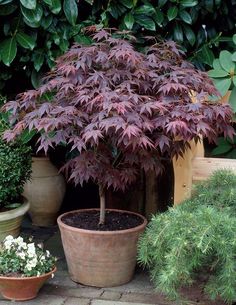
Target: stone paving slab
[104,302]
[62,279]
[76,301]
[54,245]
[111,295]
[145,298]
[78,292]
[42,299]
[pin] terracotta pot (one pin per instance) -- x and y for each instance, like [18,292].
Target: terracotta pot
[100,258]
[45,192]
[22,289]
[10,221]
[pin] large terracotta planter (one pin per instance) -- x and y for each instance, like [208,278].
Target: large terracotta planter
[100,258]
[10,221]
[22,289]
[45,192]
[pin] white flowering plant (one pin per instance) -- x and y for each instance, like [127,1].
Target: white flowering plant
[24,259]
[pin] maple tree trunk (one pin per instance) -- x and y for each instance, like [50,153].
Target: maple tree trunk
[102,205]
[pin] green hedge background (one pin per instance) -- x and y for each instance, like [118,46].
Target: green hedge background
[34,32]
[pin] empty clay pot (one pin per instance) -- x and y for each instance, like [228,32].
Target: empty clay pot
[45,192]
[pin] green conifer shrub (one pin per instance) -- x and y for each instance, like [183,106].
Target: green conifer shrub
[196,237]
[219,191]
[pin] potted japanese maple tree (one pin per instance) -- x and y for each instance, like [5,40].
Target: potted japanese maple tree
[120,112]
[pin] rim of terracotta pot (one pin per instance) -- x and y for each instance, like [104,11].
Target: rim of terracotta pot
[25,278]
[21,210]
[95,232]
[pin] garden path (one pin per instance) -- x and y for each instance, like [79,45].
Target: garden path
[60,290]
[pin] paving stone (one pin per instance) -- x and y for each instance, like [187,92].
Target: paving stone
[145,298]
[105,302]
[62,279]
[111,295]
[42,299]
[77,301]
[54,245]
[140,283]
[78,292]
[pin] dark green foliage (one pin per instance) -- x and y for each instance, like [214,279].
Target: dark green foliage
[193,24]
[195,237]
[15,169]
[34,33]
[223,72]
[225,148]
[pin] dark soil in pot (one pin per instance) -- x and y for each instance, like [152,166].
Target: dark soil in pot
[115,220]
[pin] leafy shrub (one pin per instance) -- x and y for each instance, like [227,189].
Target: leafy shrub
[223,73]
[195,25]
[119,110]
[34,33]
[195,237]
[15,170]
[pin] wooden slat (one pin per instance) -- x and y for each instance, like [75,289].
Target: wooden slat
[151,195]
[204,167]
[193,167]
[183,172]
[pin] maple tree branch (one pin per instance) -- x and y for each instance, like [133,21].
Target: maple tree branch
[117,159]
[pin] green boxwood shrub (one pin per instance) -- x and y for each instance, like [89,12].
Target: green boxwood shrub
[15,170]
[198,236]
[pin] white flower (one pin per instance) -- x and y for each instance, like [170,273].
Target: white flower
[21,254]
[52,275]
[19,240]
[34,262]
[7,245]
[20,243]
[31,264]
[28,267]
[26,257]
[9,240]
[31,250]
[31,246]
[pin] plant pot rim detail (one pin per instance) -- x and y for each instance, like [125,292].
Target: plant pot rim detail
[97,232]
[13,213]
